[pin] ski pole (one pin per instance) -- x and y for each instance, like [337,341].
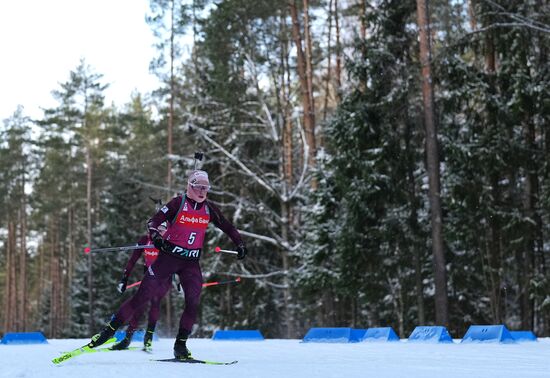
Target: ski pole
[215,283]
[133,285]
[123,248]
[218,249]
[206,284]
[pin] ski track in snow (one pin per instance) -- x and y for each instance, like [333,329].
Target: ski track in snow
[286,359]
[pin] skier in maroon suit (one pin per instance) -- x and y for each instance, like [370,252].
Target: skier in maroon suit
[180,249]
[149,257]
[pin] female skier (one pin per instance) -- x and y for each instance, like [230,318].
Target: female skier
[180,249]
[149,257]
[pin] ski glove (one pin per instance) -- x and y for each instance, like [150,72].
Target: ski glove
[158,241]
[121,287]
[241,251]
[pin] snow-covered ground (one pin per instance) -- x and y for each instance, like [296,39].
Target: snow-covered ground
[286,359]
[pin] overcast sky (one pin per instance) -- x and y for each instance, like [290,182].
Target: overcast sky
[41,41]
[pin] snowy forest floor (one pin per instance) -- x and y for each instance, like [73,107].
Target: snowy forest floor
[286,358]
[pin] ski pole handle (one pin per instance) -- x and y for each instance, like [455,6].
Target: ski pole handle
[218,249]
[112,249]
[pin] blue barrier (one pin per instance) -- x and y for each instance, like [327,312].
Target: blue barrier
[24,338]
[488,333]
[138,336]
[357,335]
[430,334]
[523,336]
[328,335]
[380,334]
[238,335]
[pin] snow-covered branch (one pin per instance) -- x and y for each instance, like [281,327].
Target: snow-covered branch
[260,237]
[507,25]
[521,20]
[247,275]
[248,171]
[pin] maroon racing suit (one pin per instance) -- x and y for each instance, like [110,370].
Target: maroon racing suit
[183,246]
[149,257]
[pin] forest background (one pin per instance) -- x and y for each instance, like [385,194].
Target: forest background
[387,163]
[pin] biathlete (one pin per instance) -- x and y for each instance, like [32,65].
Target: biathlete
[149,257]
[180,249]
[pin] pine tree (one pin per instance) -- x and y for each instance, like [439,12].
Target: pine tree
[16,171]
[366,225]
[490,124]
[74,132]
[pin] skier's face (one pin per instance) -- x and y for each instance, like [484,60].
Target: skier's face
[198,189]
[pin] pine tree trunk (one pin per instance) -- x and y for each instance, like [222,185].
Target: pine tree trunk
[13,276]
[71,258]
[541,263]
[495,252]
[287,168]
[41,277]
[530,204]
[5,299]
[338,73]
[306,96]
[329,61]
[54,278]
[168,301]
[308,52]
[22,318]
[171,99]
[432,160]
[495,237]
[472,14]
[91,320]
[9,264]
[413,224]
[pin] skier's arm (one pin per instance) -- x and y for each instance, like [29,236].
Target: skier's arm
[167,213]
[135,256]
[121,287]
[227,227]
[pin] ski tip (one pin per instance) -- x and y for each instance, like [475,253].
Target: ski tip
[217,249]
[60,359]
[87,250]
